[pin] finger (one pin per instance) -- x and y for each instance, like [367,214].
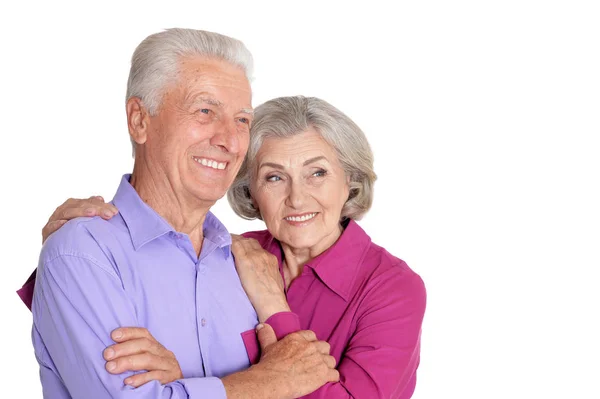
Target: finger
[333,375]
[85,208]
[266,336]
[254,244]
[105,211]
[140,361]
[58,211]
[307,335]
[137,380]
[97,199]
[238,248]
[123,334]
[73,212]
[133,347]
[330,361]
[51,227]
[323,347]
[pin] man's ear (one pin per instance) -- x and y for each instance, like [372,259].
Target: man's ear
[138,120]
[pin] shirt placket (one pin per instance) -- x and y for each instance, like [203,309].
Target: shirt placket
[203,326]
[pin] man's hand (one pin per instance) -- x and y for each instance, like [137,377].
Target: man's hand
[293,367]
[260,277]
[136,350]
[74,208]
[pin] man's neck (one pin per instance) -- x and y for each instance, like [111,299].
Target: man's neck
[184,214]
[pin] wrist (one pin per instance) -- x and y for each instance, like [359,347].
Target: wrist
[270,308]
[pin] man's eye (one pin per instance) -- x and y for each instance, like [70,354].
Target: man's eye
[205,111]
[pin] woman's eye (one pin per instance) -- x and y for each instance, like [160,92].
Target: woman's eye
[273,178]
[320,173]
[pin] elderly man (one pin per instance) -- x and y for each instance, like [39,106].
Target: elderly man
[164,262]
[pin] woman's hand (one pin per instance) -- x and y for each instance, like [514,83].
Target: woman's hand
[74,208]
[260,277]
[136,349]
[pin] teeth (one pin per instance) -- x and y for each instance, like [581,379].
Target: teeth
[302,218]
[210,163]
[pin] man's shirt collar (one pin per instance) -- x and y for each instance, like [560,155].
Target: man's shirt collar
[146,225]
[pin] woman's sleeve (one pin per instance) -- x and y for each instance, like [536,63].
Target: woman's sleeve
[26,292]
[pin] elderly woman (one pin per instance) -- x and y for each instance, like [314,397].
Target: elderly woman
[309,176]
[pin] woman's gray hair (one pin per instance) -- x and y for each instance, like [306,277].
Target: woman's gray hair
[155,61]
[288,116]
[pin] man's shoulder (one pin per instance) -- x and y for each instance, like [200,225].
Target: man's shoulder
[83,237]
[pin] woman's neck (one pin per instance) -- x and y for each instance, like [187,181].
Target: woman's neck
[296,258]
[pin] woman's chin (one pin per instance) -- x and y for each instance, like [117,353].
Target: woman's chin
[298,240]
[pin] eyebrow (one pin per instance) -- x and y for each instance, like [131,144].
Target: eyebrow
[202,97]
[210,101]
[315,159]
[280,167]
[272,165]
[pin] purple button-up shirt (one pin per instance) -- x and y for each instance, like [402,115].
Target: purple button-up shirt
[135,270]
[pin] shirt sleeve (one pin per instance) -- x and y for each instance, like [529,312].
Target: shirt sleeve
[283,323]
[382,356]
[26,291]
[77,302]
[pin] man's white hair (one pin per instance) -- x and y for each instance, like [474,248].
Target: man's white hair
[155,61]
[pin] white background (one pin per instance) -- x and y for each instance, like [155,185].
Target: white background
[484,119]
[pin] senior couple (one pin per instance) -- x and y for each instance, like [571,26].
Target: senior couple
[151,297]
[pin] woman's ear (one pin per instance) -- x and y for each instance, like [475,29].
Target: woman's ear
[349,191]
[138,120]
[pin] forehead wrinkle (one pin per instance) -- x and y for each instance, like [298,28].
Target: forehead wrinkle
[205,97]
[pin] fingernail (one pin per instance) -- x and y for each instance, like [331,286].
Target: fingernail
[128,381]
[260,327]
[107,213]
[110,366]
[109,353]
[89,211]
[117,334]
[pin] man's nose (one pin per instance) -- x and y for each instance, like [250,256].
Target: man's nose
[227,137]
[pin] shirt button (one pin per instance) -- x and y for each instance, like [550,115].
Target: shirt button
[203,322]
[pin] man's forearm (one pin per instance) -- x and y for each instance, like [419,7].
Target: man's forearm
[254,383]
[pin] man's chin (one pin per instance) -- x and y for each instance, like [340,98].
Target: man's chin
[211,196]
